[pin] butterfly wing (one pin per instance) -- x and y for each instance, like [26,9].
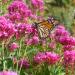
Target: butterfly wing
[44,28]
[43,32]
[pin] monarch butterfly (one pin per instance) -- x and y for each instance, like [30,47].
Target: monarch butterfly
[45,27]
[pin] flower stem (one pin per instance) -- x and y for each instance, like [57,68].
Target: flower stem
[72,69]
[18,52]
[23,59]
[66,69]
[3,56]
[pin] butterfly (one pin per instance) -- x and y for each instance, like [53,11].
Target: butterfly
[45,27]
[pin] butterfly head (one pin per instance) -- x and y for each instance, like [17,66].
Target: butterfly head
[34,25]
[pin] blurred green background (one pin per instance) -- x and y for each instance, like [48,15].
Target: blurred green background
[63,10]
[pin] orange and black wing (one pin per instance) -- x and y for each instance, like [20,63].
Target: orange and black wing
[45,27]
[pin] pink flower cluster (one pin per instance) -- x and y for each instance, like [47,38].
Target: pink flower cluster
[19,11]
[8,73]
[6,28]
[60,32]
[62,36]
[39,57]
[68,47]
[52,45]
[69,57]
[52,58]
[32,41]
[24,63]
[13,46]
[67,40]
[39,4]
[48,57]
[22,30]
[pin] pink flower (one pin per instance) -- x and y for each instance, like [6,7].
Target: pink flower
[39,4]
[69,57]
[13,46]
[52,35]
[61,32]
[16,6]
[61,26]
[6,28]
[35,39]
[67,40]
[22,30]
[34,16]
[32,41]
[24,63]
[39,58]
[18,11]
[52,58]
[15,16]
[68,47]
[48,57]
[28,41]
[28,28]
[8,73]
[52,45]
[34,30]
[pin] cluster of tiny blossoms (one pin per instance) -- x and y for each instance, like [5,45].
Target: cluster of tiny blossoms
[48,57]
[19,11]
[69,57]
[13,46]
[24,63]
[32,41]
[6,29]
[38,4]
[22,30]
[62,36]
